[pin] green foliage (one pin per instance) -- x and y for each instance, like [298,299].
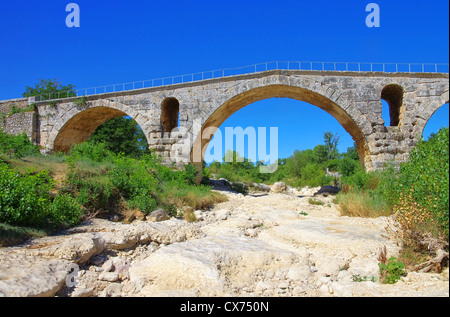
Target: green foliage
[16,146]
[348,166]
[133,178]
[65,211]
[179,194]
[144,203]
[358,278]
[48,89]
[80,102]
[13,235]
[358,203]
[392,271]
[312,201]
[190,173]
[24,199]
[142,183]
[90,151]
[331,142]
[303,168]
[121,135]
[426,178]
[91,188]
[240,188]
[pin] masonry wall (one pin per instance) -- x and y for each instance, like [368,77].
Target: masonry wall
[14,120]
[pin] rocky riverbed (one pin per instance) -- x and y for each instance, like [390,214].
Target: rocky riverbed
[262,244]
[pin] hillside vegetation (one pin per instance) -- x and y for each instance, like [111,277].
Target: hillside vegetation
[48,193]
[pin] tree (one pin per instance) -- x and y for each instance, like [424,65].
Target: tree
[331,142]
[122,135]
[47,89]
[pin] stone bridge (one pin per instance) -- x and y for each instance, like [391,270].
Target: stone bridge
[180,113]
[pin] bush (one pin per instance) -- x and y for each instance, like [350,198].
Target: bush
[17,146]
[94,192]
[89,151]
[144,203]
[133,178]
[24,199]
[65,211]
[392,271]
[424,181]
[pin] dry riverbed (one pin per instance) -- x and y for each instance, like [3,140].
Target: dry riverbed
[266,244]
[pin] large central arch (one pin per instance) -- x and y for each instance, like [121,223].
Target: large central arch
[241,100]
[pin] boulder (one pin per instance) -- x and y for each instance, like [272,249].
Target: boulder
[327,190]
[279,187]
[158,215]
[261,187]
[24,275]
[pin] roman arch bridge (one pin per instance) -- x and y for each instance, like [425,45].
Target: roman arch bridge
[178,110]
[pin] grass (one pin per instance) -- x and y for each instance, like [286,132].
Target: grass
[315,202]
[196,197]
[362,204]
[13,235]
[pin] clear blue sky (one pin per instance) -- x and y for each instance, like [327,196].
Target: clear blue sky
[124,41]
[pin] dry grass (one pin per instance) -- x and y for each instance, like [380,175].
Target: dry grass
[361,204]
[194,197]
[413,225]
[419,234]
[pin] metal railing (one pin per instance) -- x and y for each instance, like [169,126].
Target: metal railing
[255,68]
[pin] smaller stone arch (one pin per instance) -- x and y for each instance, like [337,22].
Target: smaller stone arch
[79,128]
[170,110]
[434,106]
[393,95]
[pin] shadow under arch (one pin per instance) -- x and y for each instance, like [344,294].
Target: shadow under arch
[246,98]
[80,127]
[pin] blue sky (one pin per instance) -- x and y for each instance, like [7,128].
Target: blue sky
[124,41]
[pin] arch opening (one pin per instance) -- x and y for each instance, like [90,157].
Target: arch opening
[278,91]
[80,127]
[393,95]
[438,120]
[170,110]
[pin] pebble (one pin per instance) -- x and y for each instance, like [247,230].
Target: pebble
[109,276]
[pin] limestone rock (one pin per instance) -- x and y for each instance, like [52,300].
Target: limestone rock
[23,275]
[158,215]
[278,187]
[209,265]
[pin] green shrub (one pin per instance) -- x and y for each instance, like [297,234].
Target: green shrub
[93,192]
[144,203]
[425,178]
[17,146]
[133,177]
[240,188]
[190,174]
[392,271]
[24,199]
[65,211]
[90,151]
